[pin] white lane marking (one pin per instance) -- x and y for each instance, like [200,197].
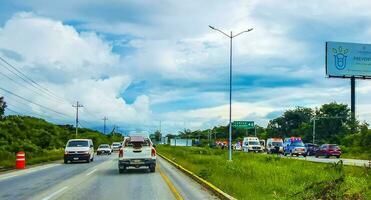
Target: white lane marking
[26,171]
[91,172]
[55,193]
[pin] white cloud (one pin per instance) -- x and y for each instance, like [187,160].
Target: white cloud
[49,45]
[172,44]
[75,66]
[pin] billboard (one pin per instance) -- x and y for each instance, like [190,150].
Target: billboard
[348,59]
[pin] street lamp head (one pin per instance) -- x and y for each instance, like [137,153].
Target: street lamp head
[212,27]
[248,30]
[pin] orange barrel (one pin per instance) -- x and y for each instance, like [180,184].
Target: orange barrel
[20,162]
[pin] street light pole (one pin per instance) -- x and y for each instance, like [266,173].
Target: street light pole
[231,36]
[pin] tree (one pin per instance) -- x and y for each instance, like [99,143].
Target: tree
[288,124]
[2,107]
[158,135]
[333,122]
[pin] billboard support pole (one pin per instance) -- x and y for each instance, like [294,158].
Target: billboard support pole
[353,102]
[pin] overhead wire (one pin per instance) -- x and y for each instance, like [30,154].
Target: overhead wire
[40,90]
[14,94]
[28,79]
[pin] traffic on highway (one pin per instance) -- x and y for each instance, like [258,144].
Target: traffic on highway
[195,100]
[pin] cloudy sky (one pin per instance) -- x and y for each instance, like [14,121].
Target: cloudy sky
[141,62]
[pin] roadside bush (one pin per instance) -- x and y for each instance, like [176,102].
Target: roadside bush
[259,176]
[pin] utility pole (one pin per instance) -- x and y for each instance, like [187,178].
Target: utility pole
[77,106]
[353,103]
[104,127]
[231,36]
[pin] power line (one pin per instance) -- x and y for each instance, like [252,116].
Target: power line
[34,114]
[62,114]
[18,83]
[27,79]
[82,126]
[13,111]
[91,113]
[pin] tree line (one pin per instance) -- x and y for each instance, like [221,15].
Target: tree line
[333,124]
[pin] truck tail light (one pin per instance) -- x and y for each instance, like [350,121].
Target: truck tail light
[121,153]
[153,153]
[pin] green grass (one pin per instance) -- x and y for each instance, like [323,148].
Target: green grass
[257,176]
[7,159]
[363,153]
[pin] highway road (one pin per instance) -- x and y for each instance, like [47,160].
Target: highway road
[100,180]
[346,161]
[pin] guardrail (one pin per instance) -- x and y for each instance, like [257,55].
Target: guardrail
[215,190]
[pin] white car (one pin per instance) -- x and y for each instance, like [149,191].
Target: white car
[79,150]
[137,151]
[251,144]
[115,146]
[104,149]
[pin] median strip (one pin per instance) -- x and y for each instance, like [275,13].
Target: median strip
[218,192]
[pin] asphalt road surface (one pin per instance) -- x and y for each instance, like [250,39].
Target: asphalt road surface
[100,180]
[346,161]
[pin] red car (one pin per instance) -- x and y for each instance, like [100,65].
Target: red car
[328,150]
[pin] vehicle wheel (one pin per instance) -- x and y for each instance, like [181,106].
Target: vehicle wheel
[316,156]
[88,160]
[65,161]
[152,168]
[121,171]
[327,156]
[304,155]
[337,156]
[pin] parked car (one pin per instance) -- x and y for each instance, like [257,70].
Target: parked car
[328,150]
[137,151]
[116,146]
[295,146]
[275,145]
[251,144]
[311,149]
[104,149]
[79,150]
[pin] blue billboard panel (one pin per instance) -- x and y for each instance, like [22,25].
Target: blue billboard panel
[348,59]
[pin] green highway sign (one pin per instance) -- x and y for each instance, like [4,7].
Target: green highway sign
[243,124]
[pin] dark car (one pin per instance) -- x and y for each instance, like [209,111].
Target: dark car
[311,149]
[328,150]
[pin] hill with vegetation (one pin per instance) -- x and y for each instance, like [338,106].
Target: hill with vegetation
[41,140]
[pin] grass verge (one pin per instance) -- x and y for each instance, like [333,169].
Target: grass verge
[257,176]
[7,159]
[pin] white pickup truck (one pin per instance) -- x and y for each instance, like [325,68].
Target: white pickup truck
[137,151]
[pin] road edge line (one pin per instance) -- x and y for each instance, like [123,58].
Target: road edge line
[170,185]
[218,192]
